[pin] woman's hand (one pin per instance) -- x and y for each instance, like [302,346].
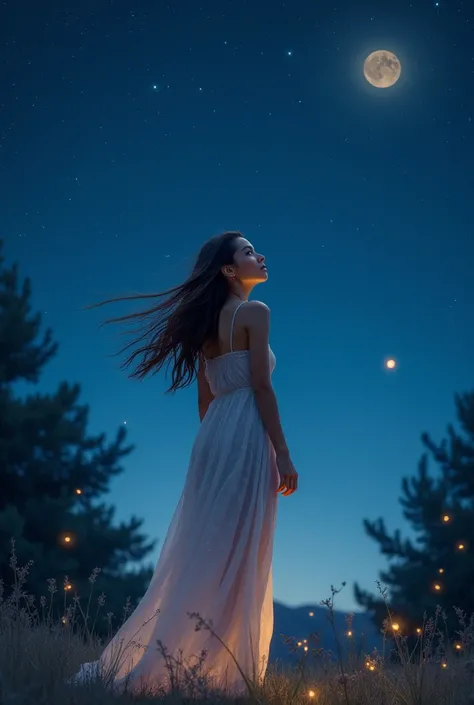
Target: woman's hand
[288,475]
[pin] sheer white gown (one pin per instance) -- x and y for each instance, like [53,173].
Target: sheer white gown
[216,559]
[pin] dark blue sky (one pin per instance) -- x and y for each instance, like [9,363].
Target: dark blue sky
[133,131]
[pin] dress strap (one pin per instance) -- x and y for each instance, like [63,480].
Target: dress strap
[232,326]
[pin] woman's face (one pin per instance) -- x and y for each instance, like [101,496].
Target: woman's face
[249,266]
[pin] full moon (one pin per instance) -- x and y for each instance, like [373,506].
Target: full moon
[382,68]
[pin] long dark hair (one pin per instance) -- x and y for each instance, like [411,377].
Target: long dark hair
[174,330]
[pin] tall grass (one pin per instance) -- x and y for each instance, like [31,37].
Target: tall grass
[42,646]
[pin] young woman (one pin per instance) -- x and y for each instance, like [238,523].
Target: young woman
[217,556]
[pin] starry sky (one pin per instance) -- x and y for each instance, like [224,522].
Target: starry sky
[131,131]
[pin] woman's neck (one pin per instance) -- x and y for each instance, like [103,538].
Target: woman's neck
[234,297]
[238,290]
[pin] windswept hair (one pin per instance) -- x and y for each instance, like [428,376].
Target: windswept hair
[175,330]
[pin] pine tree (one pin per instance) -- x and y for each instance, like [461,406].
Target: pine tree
[437,566]
[53,473]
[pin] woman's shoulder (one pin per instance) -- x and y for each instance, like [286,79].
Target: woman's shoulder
[257,309]
[246,309]
[255,314]
[255,305]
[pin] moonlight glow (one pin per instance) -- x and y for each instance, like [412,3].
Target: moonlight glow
[382,68]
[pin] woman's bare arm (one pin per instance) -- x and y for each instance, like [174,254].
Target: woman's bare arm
[205,396]
[257,323]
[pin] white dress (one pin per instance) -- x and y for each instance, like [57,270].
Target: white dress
[216,559]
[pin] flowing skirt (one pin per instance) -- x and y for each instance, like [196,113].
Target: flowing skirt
[215,563]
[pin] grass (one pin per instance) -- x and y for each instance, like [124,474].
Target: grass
[42,646]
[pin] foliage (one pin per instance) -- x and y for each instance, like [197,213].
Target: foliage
[437,567]
[53,472]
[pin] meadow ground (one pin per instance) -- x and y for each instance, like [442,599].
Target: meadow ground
[42,646]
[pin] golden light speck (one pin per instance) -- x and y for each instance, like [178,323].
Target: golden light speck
[461,546]
[458,647]
[349,633]
[418,630]
[300,643]
[441,571]
[311,614]
[444,665]
[446,518]
[437,587]
[311,693]
[390,364]
[66,539]
[78,490]
[396,627]
[68,586]
[306,648]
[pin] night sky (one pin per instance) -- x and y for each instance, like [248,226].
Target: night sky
[131,131]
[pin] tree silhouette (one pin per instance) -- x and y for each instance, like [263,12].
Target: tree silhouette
[54,474]
[437,566]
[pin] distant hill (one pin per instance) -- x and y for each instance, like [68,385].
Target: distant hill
[297,622]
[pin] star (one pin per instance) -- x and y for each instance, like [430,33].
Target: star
[289,53]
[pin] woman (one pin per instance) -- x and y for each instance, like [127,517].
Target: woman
[217,556]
